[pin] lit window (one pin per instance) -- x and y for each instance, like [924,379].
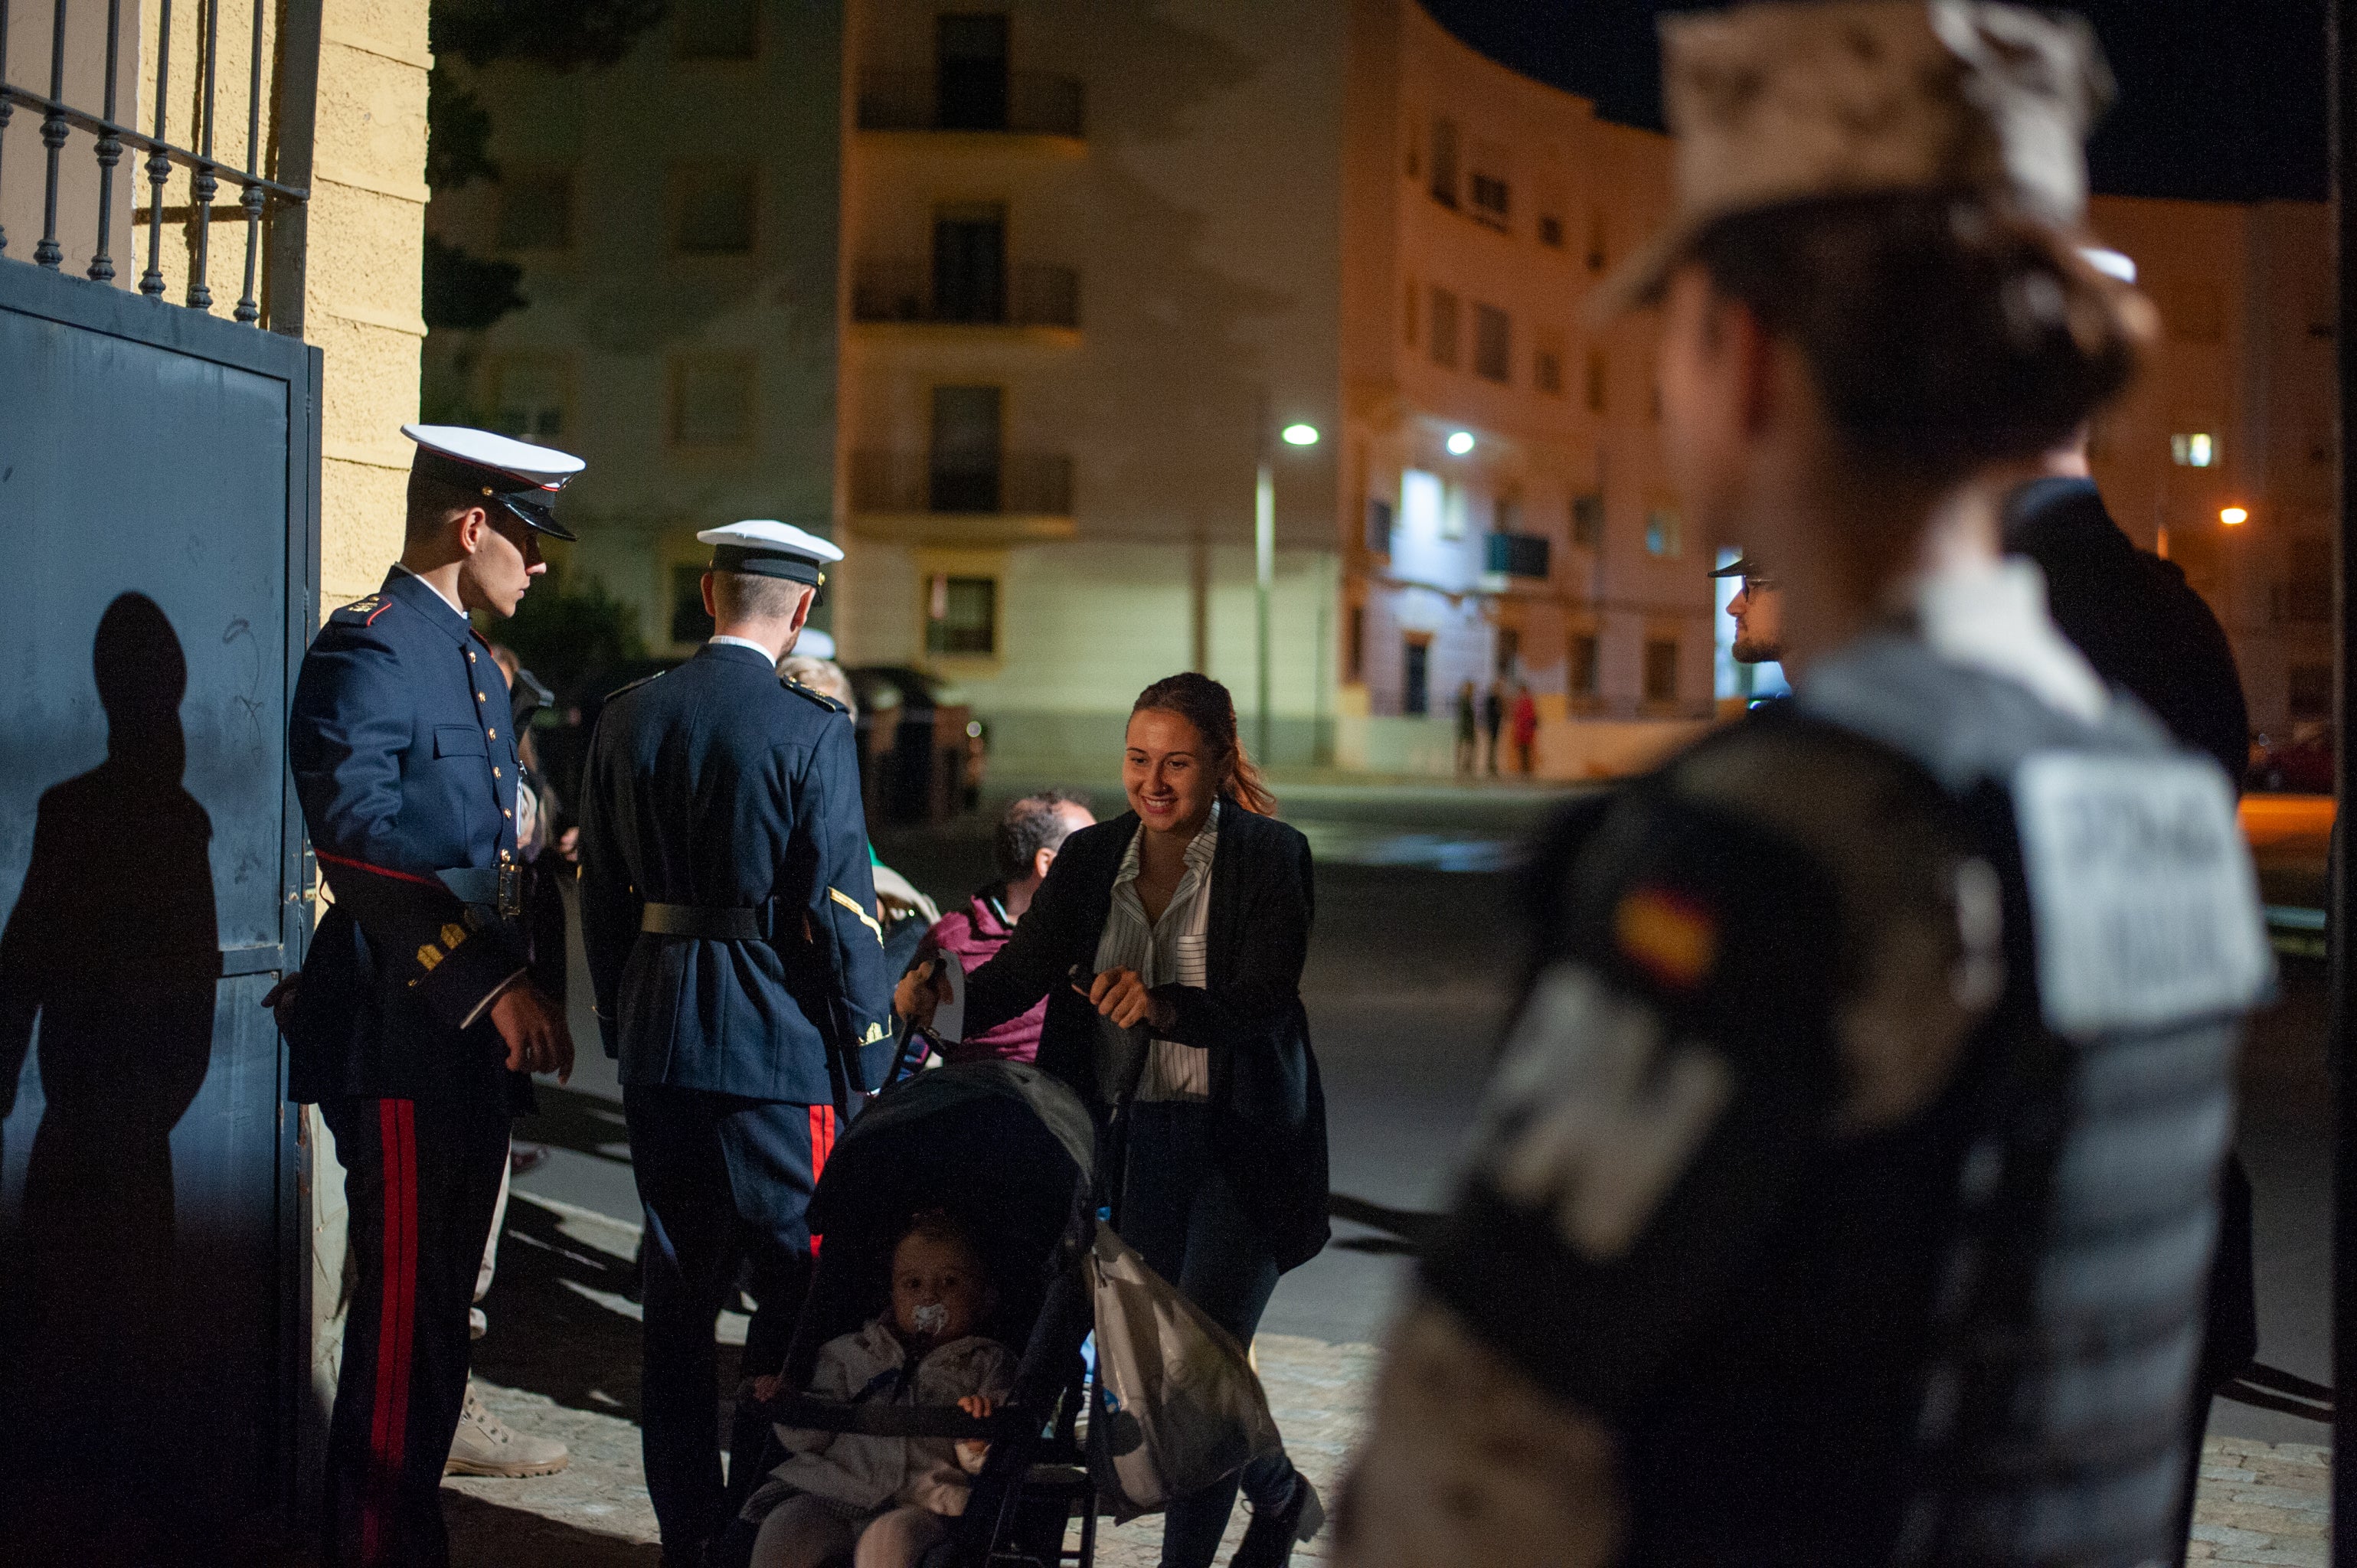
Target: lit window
[536,212]
[712,401]
[1663,526]
[1419,508]
[962,617]
[1493,344]
[2198,450]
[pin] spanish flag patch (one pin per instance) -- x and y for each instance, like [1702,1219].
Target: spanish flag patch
[1669,935]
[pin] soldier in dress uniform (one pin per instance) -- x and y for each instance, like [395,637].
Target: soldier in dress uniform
[415,1024]
[1848,1189]
[739,969]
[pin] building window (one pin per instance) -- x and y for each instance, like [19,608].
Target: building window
[1581,661]
[536,211]
[1354,645]
[962,617]
[712,210]
[1491,197]
[1551,231]
[1379,527]
[1599,373]
[1663,526]
[717,30]
[1421,505]
[1596,254]
[2197,450]
[1517,554]
[970,262]
[712,401]
[1587,520]
[529,397]
[970,76]
[2311,690]
[1546,363]
[1416,685]
[690,621]
[1661,670]
[1444,162]
[2306,594]
[964,467]
[1493,353]
[1444,328]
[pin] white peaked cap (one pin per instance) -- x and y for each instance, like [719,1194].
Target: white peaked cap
[768,548]
[543,466]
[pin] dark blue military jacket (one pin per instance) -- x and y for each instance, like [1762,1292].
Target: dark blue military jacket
[403,758]
[718,786]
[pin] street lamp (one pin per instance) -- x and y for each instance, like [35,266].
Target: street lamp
[1297,434]
[2234,516]
[1459,443]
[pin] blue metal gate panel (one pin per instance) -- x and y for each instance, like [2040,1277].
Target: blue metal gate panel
[158,540]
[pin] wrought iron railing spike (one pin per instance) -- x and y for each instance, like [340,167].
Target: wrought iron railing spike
[110,152]
[159,163]
[47,252]
[7,108]
[248,310]
[204,187]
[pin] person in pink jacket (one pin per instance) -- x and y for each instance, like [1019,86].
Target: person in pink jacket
[1030,832]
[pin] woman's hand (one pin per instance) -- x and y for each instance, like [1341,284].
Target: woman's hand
[923,991]
[1122,997]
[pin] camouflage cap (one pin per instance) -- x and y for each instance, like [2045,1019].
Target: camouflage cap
[1794,100]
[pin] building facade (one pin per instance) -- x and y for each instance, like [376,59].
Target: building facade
[1014,300]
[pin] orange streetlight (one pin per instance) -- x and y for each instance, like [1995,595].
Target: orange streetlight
[2234,516]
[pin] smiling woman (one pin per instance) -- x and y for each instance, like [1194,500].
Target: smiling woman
[1169,943]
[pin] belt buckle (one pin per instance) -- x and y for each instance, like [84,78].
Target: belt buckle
[510,894]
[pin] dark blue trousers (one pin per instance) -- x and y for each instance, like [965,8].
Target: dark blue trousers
[725,1183]
[421,1177]
[1178,1210]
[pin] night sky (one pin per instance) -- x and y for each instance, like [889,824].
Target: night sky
[2220,100]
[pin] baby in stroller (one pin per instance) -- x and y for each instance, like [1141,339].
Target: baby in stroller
[882,1503]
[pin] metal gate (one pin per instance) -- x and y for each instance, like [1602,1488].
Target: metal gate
[159,472]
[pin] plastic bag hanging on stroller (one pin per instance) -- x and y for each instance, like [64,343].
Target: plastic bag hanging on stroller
[1010,1152]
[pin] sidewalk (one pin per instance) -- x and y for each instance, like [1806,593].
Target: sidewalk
[2260,1503]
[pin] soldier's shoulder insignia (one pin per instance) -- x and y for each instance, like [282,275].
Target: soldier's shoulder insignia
[361,612]
[634,685]
[813,694]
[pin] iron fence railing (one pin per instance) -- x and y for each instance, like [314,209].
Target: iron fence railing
[1034,104]
[1034,484]
[1030,294]
[281,198]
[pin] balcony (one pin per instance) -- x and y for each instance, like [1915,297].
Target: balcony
[1045,300]
[912,496]
[1516,554]
[1019,104]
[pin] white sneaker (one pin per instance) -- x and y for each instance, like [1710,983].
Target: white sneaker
[486,1446]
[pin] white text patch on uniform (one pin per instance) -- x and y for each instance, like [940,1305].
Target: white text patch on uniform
[1590,1118]
[2145,905]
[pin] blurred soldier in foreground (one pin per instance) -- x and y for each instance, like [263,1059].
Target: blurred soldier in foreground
[417,1015]
[739,967]
[1847,1192]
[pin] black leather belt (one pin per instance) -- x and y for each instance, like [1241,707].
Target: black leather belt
[496,887]
[711,923]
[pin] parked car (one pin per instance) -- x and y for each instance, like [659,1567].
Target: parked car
[2297,763]
[921,751]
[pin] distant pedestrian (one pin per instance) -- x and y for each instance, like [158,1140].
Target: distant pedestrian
[1468,733]
[1526,727]
[1493,719]
[1030,833]
[1168,944]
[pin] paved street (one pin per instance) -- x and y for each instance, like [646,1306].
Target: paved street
[1415,943]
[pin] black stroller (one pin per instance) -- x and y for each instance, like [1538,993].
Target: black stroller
[1008,1151]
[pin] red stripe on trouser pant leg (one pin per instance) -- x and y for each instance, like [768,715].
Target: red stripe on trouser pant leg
[822,1119]
[388,1434]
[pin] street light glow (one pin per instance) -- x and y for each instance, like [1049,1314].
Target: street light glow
[1459,443]
[2234,516]
[1299,435]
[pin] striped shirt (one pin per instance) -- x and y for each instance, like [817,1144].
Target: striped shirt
[1169,951]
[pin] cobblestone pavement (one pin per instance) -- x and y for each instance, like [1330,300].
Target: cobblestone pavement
[566,1269]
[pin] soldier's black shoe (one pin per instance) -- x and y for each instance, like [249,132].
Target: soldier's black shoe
[1269,1540]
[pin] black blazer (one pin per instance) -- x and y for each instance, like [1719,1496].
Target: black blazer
[1270,1110]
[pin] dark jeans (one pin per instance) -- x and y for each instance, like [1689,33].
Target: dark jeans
[723,1179]
[1180,1213]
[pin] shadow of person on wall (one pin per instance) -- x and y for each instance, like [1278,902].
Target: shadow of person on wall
[113,948]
